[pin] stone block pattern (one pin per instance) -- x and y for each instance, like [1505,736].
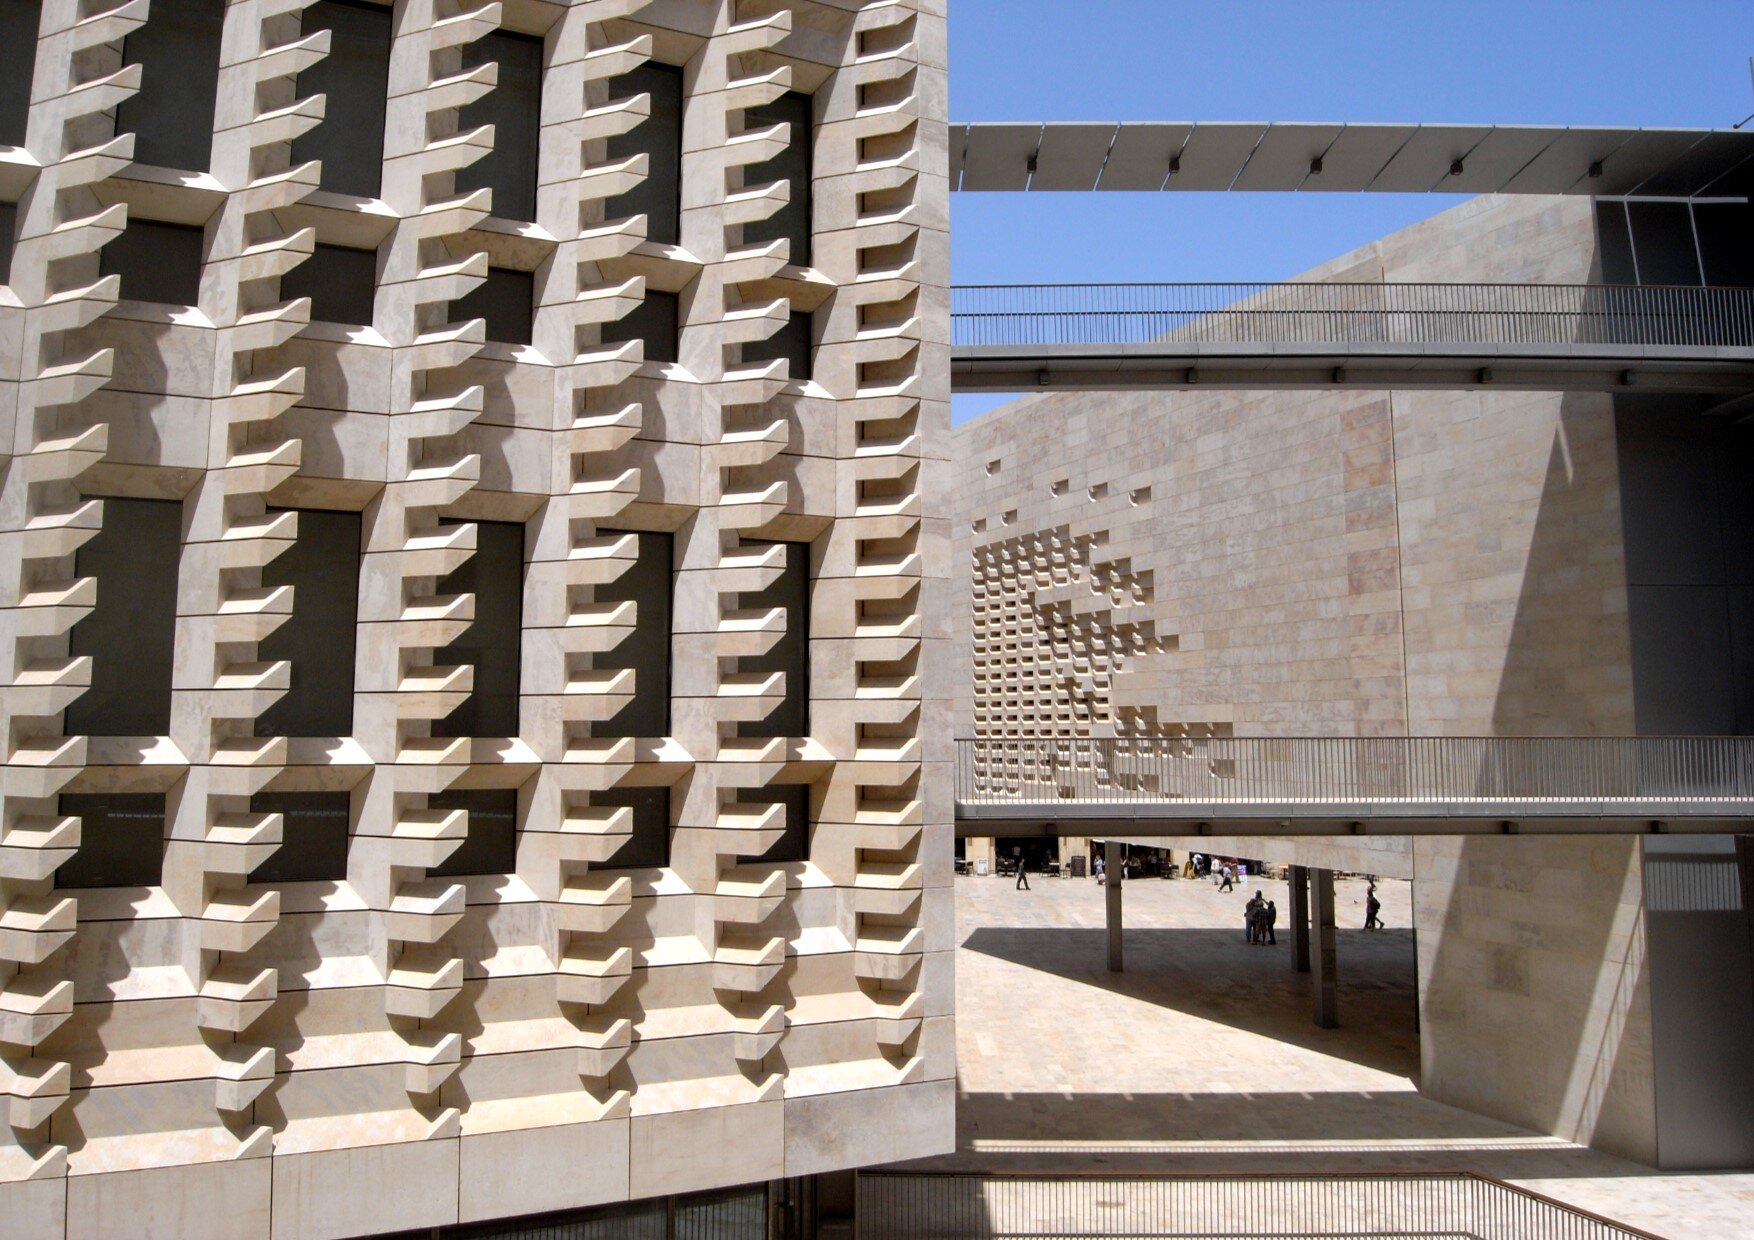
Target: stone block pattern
[1354,564]
[397,1050]
[1345,563]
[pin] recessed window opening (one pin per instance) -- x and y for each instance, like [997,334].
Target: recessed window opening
[171,115]
[130,633]
[354,79]
[659,136]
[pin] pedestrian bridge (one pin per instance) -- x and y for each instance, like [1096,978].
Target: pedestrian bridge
[1538,337]
[1290,786]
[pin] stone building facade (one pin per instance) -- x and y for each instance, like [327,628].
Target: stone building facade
[1405,563]
[473,628]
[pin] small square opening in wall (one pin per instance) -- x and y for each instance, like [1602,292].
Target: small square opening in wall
[1099,491]
[993,466]
[1009,518]
[1140,496]
[980,526]
[1059,487]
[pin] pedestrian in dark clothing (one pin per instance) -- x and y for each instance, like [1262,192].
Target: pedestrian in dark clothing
[1372,906]
[1251,919]
[1022,871]
[1272,919]
[1224,874]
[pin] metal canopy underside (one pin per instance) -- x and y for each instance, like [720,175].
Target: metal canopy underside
[1449,159]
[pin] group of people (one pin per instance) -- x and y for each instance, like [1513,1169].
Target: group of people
[1259,916]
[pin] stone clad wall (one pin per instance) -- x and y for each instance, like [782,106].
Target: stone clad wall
[1355,564]
[394,1051]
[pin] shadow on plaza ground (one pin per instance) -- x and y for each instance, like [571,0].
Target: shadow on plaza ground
[1251,1132]
[1215,975]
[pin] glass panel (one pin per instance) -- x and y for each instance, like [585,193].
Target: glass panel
[659,196]
[121,840]
[792,342]
[649,845]
[648,584]
[514,109]
[322,567]
[495,575]
[157,262]
[130,634]
[791,654]
[19,23]
[492,846]
[793,166]
[355,79]
[654,321]
[340,281]
[506,299]
[314,836]
[171,115]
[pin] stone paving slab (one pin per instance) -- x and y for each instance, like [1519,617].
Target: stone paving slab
[1203,1055]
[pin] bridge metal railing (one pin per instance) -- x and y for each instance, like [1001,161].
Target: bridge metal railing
[1320,313]
[1712,773]
[995,1206]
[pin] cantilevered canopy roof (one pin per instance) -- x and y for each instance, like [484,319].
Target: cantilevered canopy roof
[1450,159]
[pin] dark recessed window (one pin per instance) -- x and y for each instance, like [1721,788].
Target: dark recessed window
[793,166]
[1726,242]
[157,262]
[649,845]
[322,567]
[354,79]
[659,196]
[19,22]
[514,109]
[495,576]
[492,846]
[1614,244]
[171,115]
[648,583]
[313,836]
[794,845]
[121,840]
[340,281]
[130,634]
[791,654]
[1662,239]
[654,321]
[507,300]
[8,226]
[792,342]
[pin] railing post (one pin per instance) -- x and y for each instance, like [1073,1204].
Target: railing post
[1323,955]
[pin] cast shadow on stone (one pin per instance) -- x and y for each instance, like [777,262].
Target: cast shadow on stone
[1215,975]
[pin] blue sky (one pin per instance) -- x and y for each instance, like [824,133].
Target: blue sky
[1579,62]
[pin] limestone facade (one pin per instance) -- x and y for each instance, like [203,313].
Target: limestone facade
[1354,564]
[213,1055]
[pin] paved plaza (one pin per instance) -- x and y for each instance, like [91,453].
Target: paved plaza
[1203,1055]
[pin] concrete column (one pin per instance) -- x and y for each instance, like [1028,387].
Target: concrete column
[1111,864]
[1300,918]
[1323,956]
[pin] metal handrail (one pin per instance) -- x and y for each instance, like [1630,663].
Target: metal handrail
[1320,312]
[1711,771]
[908,1205]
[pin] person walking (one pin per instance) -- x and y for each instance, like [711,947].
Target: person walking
[1272,919]
[1224,876]
[1022,870]
[1251,919]
[1372,906]
[1101,876]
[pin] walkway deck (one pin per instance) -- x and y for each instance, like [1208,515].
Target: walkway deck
[1242,786]
[1576,337]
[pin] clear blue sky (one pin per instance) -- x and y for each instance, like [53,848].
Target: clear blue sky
[1577,62]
